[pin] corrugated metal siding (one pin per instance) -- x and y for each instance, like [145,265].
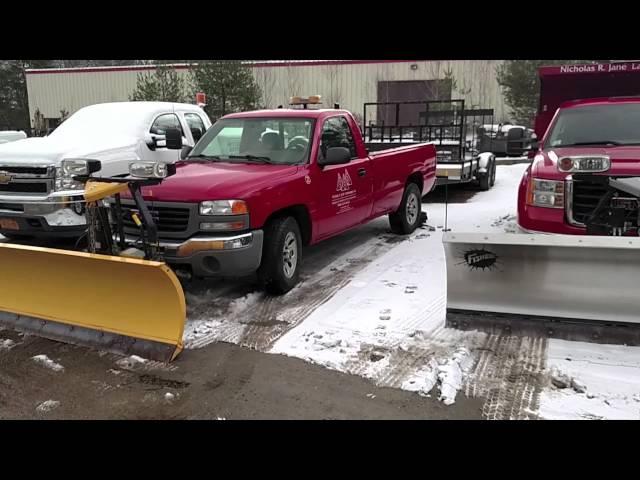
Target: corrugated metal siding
[350,85]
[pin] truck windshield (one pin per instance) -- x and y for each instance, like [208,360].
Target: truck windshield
[284,141]
[613,124]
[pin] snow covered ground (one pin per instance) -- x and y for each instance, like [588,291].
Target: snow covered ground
[385,322]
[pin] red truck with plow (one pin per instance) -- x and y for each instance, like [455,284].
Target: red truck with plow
[254,191]
[584,184]
[588,121]
[259,186]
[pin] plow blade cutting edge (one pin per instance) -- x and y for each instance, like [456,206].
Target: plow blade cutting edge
[573,287]
[117,304]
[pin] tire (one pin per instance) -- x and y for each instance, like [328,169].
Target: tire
[493,174]
[407,218]
[485,182]
[281,256]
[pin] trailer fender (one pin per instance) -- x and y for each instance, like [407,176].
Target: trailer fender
[484,161]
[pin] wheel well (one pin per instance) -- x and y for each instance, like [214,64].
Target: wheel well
[417,179]
[301,214]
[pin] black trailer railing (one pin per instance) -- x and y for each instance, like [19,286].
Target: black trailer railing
[453,128]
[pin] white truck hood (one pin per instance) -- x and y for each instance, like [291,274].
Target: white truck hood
[51,150]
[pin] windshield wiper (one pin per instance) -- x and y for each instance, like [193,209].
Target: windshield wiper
[252,158]
[206,157]
[601,142]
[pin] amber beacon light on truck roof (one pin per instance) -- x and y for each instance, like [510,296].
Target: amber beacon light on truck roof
[297,101]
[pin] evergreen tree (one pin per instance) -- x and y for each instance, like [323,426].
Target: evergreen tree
[229,86]
[14,104]
[521,85]
[163,85]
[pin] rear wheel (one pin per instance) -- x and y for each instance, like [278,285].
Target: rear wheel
[493,175]
[486,181]
[281,257]
[407,218]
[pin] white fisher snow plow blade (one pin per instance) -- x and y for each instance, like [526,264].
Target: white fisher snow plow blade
[573,287]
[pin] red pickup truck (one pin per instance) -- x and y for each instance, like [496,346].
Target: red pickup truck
[261,185]
[588,122]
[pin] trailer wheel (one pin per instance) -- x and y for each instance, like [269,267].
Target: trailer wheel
[407,218]
[485,182]
[281,256]
[493,173]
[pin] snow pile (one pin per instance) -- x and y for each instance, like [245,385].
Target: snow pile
[591,381]
[422,380]
[131,362]
[450,375]
[7,344]
[47,406]
[48,363]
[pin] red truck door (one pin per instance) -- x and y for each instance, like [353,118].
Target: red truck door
[344,192]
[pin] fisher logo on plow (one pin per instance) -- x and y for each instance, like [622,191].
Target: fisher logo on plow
[344,182]
[480,259]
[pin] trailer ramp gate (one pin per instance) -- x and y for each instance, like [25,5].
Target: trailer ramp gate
[564,286]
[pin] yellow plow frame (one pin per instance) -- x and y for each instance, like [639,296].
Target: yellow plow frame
[118,304]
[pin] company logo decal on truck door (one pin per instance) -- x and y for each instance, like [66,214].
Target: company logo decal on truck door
[344,182]
[342,199]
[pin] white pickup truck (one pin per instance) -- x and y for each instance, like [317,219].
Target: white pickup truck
[7,136]
[38,199]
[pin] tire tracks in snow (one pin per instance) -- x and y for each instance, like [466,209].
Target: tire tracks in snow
[260,324]
[508,373]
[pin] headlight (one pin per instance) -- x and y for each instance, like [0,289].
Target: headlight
[584,164]
[151,169]
[79,166]
[66,182]
[224,207]
[545,193]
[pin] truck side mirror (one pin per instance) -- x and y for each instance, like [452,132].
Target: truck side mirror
[173,139]
[335,156]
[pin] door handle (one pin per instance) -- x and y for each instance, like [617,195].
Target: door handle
[362,172]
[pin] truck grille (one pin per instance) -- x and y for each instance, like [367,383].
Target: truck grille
[44,171]
[27,179]
[586,196]
[25,187]
[167,219]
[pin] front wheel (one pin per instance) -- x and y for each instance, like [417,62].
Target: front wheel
[407,218]
[282,254]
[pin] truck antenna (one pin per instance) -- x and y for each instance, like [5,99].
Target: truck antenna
[446,205]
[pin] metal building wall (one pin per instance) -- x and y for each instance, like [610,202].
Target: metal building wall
[351,84]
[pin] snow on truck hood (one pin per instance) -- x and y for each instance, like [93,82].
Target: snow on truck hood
[52,149]
[198,181]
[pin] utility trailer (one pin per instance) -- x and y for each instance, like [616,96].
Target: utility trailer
[448,124]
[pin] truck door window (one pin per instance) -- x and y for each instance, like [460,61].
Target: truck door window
[165,121]
[336,133]
[196,125]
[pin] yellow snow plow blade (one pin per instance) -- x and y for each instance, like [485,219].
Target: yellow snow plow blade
[117,304]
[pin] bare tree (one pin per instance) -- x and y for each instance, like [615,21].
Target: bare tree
[266,81]
[332,74]
[294,82]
